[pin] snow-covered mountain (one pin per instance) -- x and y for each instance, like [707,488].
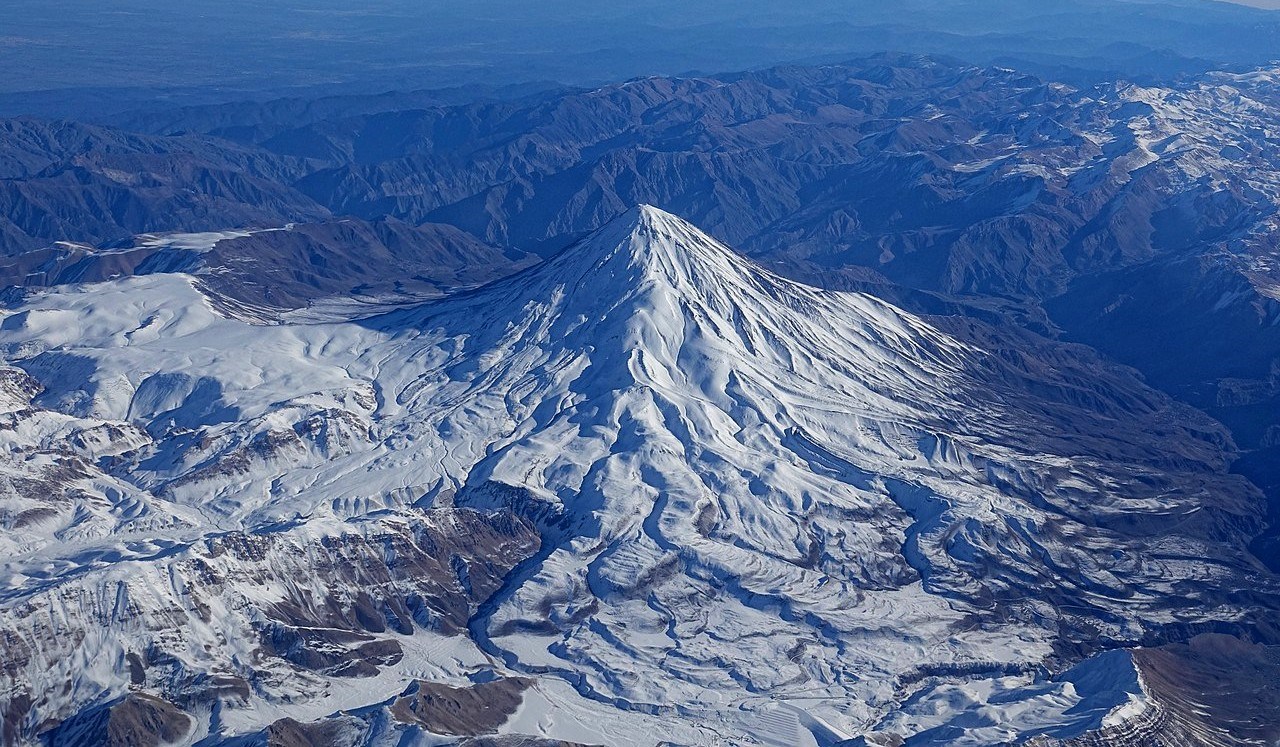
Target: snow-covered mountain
[645,491]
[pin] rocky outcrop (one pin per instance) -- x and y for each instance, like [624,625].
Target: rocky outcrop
[425,711]
[136,720]
[1212,691]
[280,613]
[1216,689]
[472,711]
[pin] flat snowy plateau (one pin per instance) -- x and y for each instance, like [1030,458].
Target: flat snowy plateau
[644,492]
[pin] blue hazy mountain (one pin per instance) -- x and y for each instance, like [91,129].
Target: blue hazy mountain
[215,51]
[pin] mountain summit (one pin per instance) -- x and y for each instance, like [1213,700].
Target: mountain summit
[646,249]
[638,485]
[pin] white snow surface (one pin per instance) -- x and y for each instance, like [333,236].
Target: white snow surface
[200,242]
[762,504]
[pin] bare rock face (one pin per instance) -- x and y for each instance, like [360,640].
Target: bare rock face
[136,720]
[1216,689]
[241,615]
[473,711]
[425,710]
[1213,691]
[330,733]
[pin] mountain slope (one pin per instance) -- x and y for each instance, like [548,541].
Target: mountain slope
[1071,211]
[684,497]
[822,460]
[65,181]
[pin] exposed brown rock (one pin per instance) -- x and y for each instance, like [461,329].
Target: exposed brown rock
[141,720]
[136,720]
[1214,691]
[1218,689]
[327,733]
[461,711]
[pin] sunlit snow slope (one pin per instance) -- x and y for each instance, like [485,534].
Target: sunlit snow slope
[660,491]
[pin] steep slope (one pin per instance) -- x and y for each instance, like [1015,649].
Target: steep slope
[684,497]
[821,465]
[74,182]
[268,271]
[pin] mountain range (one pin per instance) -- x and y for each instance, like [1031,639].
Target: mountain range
[406,419]
[1135,219]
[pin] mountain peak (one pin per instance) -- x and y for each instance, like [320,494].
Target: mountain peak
[648,214]
[647,245]
[644,225]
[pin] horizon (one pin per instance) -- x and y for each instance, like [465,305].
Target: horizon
[198,52]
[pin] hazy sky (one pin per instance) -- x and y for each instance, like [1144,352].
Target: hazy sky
[237,48]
